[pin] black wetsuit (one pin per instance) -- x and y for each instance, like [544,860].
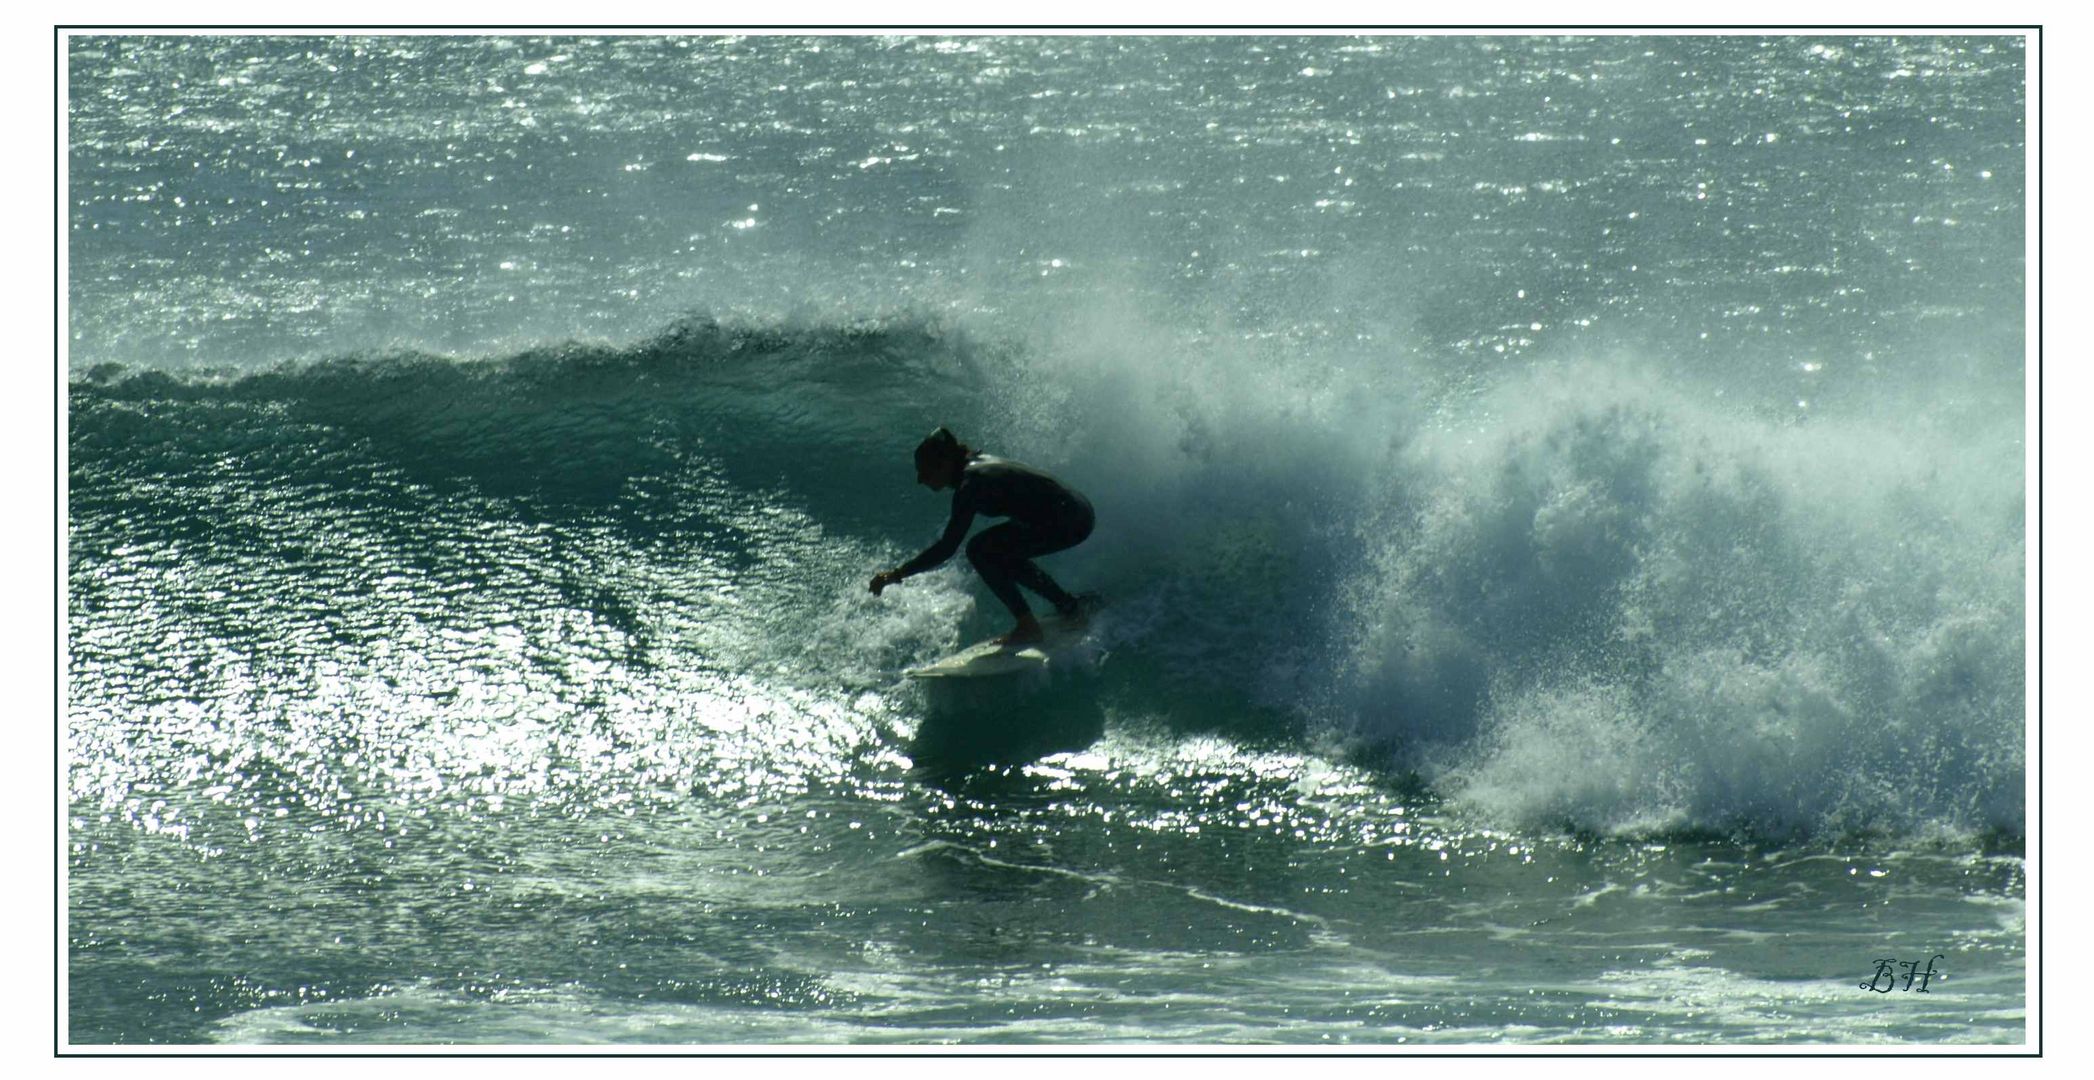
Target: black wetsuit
[1045,516]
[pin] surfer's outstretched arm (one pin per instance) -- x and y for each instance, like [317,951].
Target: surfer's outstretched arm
[937,553]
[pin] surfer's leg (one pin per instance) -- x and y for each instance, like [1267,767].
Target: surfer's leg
[1075,530]
[1025,543]
[995,554]
[1028,574]
[1003,555]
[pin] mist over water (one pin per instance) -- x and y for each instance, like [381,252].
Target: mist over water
[1598,461]
[1627,611]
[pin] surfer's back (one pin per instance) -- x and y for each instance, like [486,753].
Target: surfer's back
[996,487]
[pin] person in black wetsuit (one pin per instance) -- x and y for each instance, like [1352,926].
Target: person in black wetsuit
[1045,516]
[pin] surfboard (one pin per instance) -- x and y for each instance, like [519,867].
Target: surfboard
[990,660]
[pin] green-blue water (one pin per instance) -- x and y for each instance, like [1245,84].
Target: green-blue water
[1561,501]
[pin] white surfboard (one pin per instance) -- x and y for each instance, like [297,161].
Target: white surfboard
[989,660]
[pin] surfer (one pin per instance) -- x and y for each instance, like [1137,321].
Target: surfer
[1045,516]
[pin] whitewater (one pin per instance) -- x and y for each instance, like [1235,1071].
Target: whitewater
[1561,501]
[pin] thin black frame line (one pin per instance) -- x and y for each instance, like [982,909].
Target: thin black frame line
[2039,533]
[60,491]
[616,1051]
[1713,29]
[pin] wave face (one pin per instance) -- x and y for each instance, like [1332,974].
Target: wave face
[1584,599]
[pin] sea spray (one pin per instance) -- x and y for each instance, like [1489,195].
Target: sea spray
[1609,604]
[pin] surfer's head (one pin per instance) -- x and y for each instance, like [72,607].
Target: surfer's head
[940,459]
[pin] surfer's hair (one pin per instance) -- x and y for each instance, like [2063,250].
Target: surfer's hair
[941,446]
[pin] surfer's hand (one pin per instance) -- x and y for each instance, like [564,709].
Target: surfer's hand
[883,579]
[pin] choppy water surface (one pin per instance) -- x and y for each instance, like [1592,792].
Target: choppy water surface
[1562,503]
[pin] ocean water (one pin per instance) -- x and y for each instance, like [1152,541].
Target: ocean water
[1561,503]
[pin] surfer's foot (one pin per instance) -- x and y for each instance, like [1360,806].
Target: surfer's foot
[1079,610]
[1025,633]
